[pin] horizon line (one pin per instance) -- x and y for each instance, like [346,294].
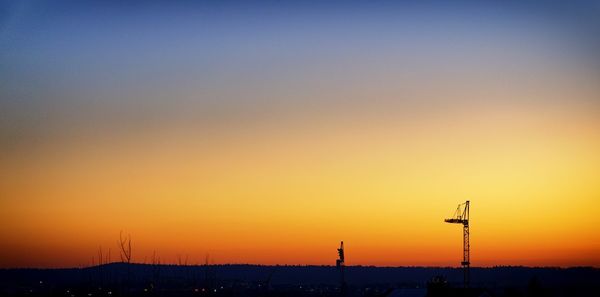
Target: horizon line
[296,265]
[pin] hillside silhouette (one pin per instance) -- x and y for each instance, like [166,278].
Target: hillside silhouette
[122,279]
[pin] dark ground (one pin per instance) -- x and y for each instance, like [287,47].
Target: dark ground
[120,279]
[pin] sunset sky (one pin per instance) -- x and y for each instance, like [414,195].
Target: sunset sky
[266,132]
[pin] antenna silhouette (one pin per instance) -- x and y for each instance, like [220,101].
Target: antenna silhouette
[461,216]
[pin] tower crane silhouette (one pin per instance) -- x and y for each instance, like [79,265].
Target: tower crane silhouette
[340,264]
[461,216]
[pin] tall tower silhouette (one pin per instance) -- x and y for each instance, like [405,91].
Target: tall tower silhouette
[461,216]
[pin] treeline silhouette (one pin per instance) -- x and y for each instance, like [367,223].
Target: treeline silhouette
[154,278]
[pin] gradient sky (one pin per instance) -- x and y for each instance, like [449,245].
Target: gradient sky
[266,132]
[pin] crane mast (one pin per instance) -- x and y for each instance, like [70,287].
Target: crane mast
[340,264]
[461,216]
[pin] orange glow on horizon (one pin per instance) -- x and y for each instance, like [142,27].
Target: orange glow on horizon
[271,198]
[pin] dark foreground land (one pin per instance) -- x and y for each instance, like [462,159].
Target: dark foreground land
[120,279]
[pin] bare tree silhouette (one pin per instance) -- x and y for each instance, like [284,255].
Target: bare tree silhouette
[125,245]
[101,262]
[181,261]
[155,272]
